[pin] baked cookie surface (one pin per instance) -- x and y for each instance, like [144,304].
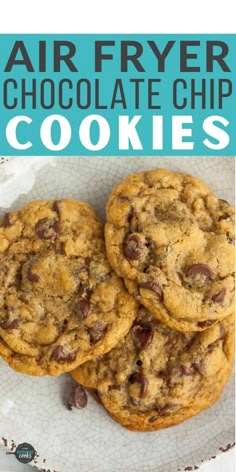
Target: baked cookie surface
[60,301]
[171,239]
[157,377]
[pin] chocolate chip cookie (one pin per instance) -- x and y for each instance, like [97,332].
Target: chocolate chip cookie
[157,377]
[60,301]
[172,239]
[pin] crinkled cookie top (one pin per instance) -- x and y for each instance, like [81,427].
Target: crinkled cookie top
[172,240]
[60,301]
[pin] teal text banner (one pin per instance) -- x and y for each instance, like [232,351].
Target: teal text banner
[117,95]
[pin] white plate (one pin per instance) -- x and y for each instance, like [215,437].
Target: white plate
[32,409]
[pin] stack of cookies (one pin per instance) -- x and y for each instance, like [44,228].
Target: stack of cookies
[171,240]
[144,319]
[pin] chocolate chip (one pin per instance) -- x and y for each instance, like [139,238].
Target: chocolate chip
[152,419]
[198,367]
[131,253]
[59,355]
[6,221]
[219,297]
[7,324]
[205,324]
[139,362]
[132,213]
[47,228]
[138,247]
[199,269]
[132,248]
[78,398]
[56,207]
[164,410]
[97,332]
[142,334]
[88,292]
[115,387]
[139,378]
[83,308]
[151,243]
[225,216]
[32,277]
[123,198]
[185,370]
[18,280]
[153,286]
